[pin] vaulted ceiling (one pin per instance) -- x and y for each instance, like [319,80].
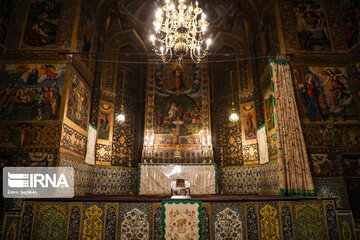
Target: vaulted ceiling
[241,20]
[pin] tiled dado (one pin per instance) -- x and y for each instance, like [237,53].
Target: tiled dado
[262,219]
[261,179]
[100,180]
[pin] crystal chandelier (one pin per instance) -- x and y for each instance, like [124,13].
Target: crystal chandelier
[180,31]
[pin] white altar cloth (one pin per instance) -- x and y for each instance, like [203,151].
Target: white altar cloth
[155,179]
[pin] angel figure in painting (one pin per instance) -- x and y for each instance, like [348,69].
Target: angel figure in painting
[337,89]
[310,93]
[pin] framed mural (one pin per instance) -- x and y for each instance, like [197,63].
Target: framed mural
[31,92]
[86,34]
[248,120]
[269,110]
[351,16]
[351,165]
[247,129]
[6,8]
[324,94]
[268,103]
[42,24]
[177,111]
[324,165]
[78,105]
[311,24]
[105,121]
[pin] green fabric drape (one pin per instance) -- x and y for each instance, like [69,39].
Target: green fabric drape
[294,171]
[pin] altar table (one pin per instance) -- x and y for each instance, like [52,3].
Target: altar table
[155,179]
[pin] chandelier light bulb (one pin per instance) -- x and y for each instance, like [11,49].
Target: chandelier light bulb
[159,13]
[120,118]
[157,26]
[208,42]
[196,3]
[152,39]
[180,31]
[234,117]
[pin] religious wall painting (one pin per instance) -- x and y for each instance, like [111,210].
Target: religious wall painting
[31,92]
[177,113]
[268,30]
[85,33]
[311,25]
[78,105]
[6,8]
[105,120]
[330,135]
[351,16]
[324,165]
[42,24]
[248,120]
[351,165]
[269,110]
[30,135]
[178,98]
[324,94]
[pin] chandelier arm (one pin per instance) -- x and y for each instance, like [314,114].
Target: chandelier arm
[164,58]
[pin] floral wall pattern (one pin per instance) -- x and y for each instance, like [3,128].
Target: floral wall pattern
[249,220]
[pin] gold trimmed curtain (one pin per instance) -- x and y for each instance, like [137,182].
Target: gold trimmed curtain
[294,171]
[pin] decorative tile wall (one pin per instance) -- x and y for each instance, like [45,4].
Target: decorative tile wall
[84,175]
[100,180]
[292,219]
[11,226]
[115,180]
[332,188]
[346,224]
[262,179]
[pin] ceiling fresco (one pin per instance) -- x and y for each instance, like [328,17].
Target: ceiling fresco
[141,12]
